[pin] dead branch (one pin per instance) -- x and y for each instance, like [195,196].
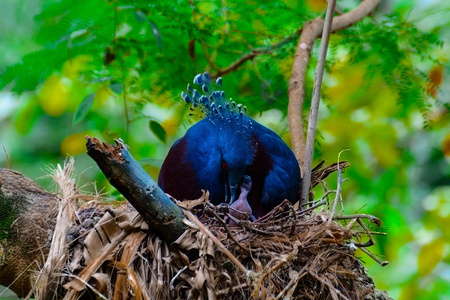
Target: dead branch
[382,263]
[130,179]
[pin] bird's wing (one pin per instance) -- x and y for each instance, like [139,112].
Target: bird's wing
[283,179]
[176,176]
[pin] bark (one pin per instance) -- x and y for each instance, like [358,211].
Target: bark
[130,179]
[315,102]
[311,31]
[28,213]
[27,221]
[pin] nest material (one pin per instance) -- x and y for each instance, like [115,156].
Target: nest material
[289,254]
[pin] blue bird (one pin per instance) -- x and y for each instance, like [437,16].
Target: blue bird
[217,152]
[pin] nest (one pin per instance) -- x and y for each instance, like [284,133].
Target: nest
[288,254]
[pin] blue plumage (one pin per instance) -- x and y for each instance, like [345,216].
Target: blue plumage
[219,150]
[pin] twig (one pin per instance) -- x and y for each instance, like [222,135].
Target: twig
[361,223]
[234,288]
[329,285]
[364,216]
[172,281]
[315,101]
[224,224]
[125,100]
[382,263]
[373,232]
[350,224]
[278,208]
[254,53]
[319,175]
[367,244]
[245,225]
[293,219]
[281,262]
[219,244]
[338,189]
[312,207]
[8,162]
[249,56]
[290,287]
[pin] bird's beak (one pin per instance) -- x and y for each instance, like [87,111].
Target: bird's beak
[230,191]
[233,189]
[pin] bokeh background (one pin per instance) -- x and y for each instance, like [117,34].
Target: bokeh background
[114,69]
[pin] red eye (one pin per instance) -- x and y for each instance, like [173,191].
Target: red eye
[224,166]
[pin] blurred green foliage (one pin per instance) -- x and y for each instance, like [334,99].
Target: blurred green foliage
[115,69]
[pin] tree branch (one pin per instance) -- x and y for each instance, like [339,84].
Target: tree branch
[130,179]
[315,101]
[254,53]
[296,90]
[311,31]
[245,57]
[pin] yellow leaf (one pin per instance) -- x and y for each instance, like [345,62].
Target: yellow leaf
[409,291]
[152,171]
[102,95]
[73,67]
[349,81]
[446,146]
[205,8]
[171,125]
[293,4]
[73,144]
[384,101]
[54,96]
[286,137]
[436,76]
[317,5]
[382,142]
[429,256]
[285,66]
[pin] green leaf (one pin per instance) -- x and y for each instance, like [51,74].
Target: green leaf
[140,16]
[116,87]
[156,34]
[141,54]
[83,108]
[78,33]
[103,79]
[158,130]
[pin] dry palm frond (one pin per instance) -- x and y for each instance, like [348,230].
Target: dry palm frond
[287,254]
[109,253]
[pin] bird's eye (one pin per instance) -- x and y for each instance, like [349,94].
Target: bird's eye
[224,166]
